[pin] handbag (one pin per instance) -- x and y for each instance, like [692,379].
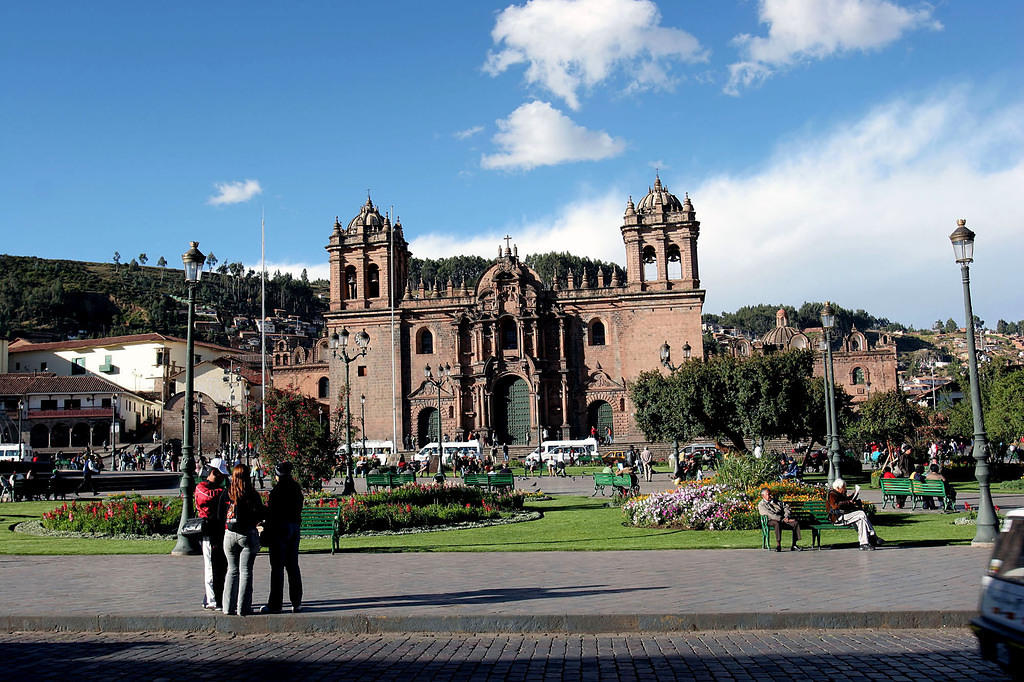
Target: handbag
[193,527]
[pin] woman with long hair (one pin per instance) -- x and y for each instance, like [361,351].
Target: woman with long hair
[241,540]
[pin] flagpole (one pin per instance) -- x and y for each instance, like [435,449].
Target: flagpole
[391,287]
[263,313]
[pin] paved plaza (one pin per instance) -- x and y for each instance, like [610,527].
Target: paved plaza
[948,654]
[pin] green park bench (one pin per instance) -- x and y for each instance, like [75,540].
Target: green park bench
[893,487]
[377,481]
[939,489]
[619,483]
[489,481]
[809,514]
[320,522]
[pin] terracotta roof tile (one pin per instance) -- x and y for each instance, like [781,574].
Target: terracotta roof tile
[22,345]
[48,383]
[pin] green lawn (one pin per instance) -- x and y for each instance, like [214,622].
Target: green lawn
[569,523]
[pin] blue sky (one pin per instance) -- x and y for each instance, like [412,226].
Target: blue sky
[828,145]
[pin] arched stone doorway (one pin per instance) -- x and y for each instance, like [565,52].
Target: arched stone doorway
[80,435]
[39,436]
[512,411]
[60,436]
[599,416]
[426,431]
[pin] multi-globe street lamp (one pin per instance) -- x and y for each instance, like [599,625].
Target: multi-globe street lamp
[828,322]
[193,260]
[963,249]
[444,373]
[339,349]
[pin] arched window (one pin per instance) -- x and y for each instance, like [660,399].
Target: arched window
[350,282]
[373,281]
[650,262]
[858,376]
[425,342]
[675,262]
[597,333]
[323,388]
[509,336]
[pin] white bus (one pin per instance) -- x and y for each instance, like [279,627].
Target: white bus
[568,451]
[383,450]
[9,452]
[452,448]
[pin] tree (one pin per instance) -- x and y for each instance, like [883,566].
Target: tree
[951,326]
[211,260]
[143,258]
[1004,418]
[117,258]
[812,419]
[888,416]
[726,398]
[297,432]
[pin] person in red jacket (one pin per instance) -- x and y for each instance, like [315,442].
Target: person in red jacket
[209,500]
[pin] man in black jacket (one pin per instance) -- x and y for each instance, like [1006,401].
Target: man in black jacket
[283,520]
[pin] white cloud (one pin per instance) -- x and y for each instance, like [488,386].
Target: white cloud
[574,44]
[234,192]
[801,30]
[859,214]
[467,133]
[585,227]
[537,134]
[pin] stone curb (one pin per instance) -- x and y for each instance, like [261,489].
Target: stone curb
[571,624]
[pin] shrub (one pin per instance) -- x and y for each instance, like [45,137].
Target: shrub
[128,515]
[739,470]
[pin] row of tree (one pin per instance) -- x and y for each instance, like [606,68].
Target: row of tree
[550,267]
[759,319]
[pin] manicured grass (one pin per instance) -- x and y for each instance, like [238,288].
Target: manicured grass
[569,523]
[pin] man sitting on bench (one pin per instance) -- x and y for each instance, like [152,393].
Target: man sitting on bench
[778,515]
[845,510]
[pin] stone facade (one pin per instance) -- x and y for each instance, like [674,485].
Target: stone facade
[303,370]
[526,356]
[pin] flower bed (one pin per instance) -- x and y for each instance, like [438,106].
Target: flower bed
[706,505]
[416,505]
[121,515]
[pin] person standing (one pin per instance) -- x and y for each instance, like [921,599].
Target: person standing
[284,516]
[87,469]
[210,507]
[241,541]
[646,463]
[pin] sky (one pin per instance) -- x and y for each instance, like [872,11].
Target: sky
[828,146]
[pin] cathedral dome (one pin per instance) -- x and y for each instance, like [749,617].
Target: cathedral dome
[783,336]
[657,197]
[369,217]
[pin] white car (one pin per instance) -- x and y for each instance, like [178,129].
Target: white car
[1000,625]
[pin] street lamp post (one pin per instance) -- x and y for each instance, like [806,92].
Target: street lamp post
[362,421]
[828,322]
[339,349]
[21,447]
[665,353]
[193,260]
[443,374]
[113,431]
[963,248]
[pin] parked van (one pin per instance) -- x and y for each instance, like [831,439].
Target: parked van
[568,451]
[1000,625]
[452,448]
[383,450]
[9,452]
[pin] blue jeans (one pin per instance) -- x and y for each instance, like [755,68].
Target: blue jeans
[240,549]
[284,555]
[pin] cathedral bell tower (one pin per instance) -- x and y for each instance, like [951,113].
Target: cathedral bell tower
[660,234]
[361,261]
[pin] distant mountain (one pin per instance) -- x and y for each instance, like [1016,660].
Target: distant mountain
[56,299]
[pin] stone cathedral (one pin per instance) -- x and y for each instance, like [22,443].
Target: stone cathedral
[526,356]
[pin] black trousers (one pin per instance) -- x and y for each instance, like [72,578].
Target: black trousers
[284,556]
[777,525]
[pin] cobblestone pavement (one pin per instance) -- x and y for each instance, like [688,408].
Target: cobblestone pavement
[789,655]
